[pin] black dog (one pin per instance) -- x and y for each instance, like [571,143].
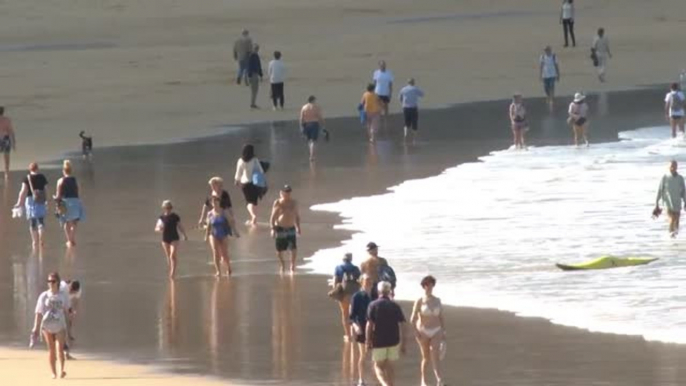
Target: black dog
[86,145]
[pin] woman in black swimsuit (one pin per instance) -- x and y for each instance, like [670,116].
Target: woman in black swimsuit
[169,224]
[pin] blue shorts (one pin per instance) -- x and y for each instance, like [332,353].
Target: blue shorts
[311,131]
[549,86]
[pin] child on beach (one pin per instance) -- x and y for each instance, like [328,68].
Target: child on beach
[169,224]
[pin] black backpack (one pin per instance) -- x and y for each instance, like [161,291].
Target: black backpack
[386,273]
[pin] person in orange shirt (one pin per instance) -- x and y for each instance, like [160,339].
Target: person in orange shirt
[372,108]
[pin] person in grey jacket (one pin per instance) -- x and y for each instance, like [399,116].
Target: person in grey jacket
[241,53]
[672,193]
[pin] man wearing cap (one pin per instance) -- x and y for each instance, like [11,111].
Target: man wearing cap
[285,224]
[386,333]
[372,266]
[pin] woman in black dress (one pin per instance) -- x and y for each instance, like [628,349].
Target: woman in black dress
[169,224]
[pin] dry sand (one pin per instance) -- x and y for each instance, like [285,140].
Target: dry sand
[161,70]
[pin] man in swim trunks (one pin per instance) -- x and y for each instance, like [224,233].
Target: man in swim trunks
[672,192]
[285,224]
[386,334]
[383,86]
[675,103]
[370,267]
[7,140]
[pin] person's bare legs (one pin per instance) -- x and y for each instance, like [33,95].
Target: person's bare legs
[576,135]
[7,165]
[583,133]
[673,125]
[52,354]
[282,266]
[73,225]
[224,248]
[362,350]
[435,344]
[60,338]
[173,247]
[515,137]
[253,214]
[294,257]
[344,305]
[34,236]
[380,370]
[390,373]
[312,148]
[425,348]
[216,254]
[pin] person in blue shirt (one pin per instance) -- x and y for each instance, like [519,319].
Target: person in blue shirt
[358,320]
[346,275]
[409,99]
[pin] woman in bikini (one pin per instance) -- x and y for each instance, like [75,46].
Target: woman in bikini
[518,121]
[427,320]
[578,118]
[220,225]
[52,309]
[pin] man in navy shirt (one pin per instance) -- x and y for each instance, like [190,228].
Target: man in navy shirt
[386,334]
[358,319]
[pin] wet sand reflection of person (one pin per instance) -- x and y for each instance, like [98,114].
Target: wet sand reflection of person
[285,308]
[169,320]
[221,323]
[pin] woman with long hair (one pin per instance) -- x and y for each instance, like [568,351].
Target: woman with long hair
[246,166]
[70,209]
[427,320]
[32,198]
[220,225]
[51,313]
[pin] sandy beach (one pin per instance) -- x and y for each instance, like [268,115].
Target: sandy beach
[130,72]
[138,73]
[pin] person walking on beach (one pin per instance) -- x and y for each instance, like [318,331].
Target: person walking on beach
[672,193]
[549,72]
[371,104]
[578,118]
[8,142]
[409,99]
[220,226]
[169,224]
[277,75]
[254,75]
[32,197]
[50,319]
[216,190]
[383,86]
[377,268]
[285,226]
[427,319]
[72,288]
[311,121]
[567,21]
[241,53]
[518,120]
[346,278]
[359,303]
[675,103]
[386,334]
[601,50]
[246,168]
[70,209]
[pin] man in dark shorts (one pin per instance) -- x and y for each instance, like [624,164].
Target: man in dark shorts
[359,303]
[409,99]
[7,140]
[383,86]
[285,224]
[386,333]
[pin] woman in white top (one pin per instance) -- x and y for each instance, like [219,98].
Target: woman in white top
[518,121]
[52,309]
[246,166]
[567,21]
[578,117]
[427,320]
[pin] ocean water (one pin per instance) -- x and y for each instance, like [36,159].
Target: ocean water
[491,232]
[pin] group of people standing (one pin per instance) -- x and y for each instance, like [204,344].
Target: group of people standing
[376,324]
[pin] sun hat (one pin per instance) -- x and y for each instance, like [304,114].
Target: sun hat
[578,97]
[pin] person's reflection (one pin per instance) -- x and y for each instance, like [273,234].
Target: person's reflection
[372,155]
[222,321]
[284,335]
[169,320]
[347,362]
[603,104]
[70,256]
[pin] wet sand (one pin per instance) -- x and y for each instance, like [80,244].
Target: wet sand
[260,327]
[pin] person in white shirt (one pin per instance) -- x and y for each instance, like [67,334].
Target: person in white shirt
[277,75]
[567,21]
[549,72]
[578,118]
[383,85]
[52,309]
[675,101]
[247,169]
[601,49]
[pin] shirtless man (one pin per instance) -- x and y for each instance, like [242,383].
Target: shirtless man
[7,140]
[285,224]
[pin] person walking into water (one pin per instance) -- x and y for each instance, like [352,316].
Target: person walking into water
[220,226]
[241,53]
[254,75]
[32,197]
[311,122]
[371,104]
[277,75]
[578,118]
[675,104]
[383,86]
[285,224]
[567,21]
[70,208]
[518,120]
[549,71]
[409,99]
[601,50]
[8,142]
[359,303]
[672,193]
[386,332]
[169,224]
[52,310]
